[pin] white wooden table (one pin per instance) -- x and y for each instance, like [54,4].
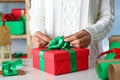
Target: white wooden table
[34,74]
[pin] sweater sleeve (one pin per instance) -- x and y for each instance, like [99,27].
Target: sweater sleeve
[104,22]
[37,16]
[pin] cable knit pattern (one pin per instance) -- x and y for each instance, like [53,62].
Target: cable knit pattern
[70,15]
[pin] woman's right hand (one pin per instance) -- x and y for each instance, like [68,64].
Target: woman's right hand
[40,40]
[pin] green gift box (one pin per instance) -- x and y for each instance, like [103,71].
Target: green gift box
[16,27]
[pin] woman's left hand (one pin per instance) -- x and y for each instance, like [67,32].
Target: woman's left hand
[80,39]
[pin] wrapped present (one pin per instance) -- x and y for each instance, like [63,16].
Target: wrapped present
[102,68]
[9,68]
[18,12]
[114,38]
[60,61]
[16,27]
[113,52]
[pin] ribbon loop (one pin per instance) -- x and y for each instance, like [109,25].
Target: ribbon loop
[58,43]
[115,50]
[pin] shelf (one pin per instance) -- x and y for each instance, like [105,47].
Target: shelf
[27,35]
[13,1]
[18,36]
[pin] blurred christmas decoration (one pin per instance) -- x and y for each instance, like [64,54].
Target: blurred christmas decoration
[5,44]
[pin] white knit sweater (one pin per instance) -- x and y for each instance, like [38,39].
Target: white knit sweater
[65,17]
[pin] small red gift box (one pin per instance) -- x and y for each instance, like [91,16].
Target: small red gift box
[58,61]
[18,12]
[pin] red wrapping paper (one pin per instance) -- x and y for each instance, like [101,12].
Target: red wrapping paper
[58,61]
[17,11]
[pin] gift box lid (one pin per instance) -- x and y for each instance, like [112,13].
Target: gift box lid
[60,54]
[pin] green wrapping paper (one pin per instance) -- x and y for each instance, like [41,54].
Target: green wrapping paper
[59,43]
[102,69]
[16,27]
[1,23]
[111,56]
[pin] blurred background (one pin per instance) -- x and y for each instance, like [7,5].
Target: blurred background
[19,45]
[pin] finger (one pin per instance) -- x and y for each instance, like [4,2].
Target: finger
[75,42]
[70,38]
[36,45]
[36,38]
[81,40]
[83,45]
[43,43]
[43,36]
[37,42]
[75,36]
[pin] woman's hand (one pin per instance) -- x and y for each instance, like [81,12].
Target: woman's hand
[40,40]
[80,39]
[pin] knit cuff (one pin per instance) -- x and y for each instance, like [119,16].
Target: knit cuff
[93,33]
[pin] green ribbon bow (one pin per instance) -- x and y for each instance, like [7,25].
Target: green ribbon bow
[59,43]
[111,55]
[18,55]
[9,68]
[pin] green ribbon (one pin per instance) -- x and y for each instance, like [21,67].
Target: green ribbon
[72,61]
[102,69]
[9,68]
[42,60]
[18,55]
[59,43]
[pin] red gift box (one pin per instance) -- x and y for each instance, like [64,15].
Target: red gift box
[18,12]
[58,61]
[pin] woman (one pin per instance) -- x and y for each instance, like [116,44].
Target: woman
[84,23]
